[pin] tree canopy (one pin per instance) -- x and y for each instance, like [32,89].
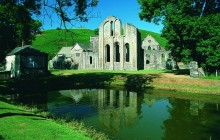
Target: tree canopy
[191,27]
[17,24]
[19,27]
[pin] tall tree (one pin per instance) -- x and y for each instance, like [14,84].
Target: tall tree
[17,25]
[190,26]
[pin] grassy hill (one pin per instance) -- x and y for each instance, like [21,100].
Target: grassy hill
[51,41]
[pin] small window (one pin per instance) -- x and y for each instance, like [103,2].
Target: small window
[147,62]
[90,59]
[149,48]
[77,54]
[149,41]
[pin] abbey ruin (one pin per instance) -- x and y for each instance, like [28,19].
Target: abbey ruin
[115,48]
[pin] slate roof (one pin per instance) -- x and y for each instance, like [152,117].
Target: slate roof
[65,51]
[26,50]
[84,46]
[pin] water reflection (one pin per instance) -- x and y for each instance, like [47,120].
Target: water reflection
[131,115]
[192,120]
[121,114]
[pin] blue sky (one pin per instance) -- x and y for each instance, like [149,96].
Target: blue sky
[126,10]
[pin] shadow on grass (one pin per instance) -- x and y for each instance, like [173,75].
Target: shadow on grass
[140,81]
[10,109]
[17,114]
[1,138]
[180,72]
[81,80]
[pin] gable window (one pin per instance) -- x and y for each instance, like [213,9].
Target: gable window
[77,54]
[112,28]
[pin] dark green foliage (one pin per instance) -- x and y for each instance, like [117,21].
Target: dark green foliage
[16,24]
[190,26]
[18,27]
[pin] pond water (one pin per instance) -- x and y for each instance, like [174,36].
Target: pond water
[127,115]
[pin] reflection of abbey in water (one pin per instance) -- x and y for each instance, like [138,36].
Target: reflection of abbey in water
[116,108]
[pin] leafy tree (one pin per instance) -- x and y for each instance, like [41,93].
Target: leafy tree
[16,23]
[18,27]
[190,26]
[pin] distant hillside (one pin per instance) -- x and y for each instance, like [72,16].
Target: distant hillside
[51,41]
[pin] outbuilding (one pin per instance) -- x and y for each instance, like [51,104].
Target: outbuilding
[27,62]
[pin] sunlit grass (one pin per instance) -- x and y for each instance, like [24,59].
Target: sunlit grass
[21,122]
[51,41]
[212,77]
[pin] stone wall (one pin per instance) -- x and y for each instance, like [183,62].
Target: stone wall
[154,56]
[195,71]
[115,49]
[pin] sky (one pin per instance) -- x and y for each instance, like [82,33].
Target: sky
[126,10]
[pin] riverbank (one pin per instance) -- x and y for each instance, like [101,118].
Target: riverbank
[132,80]
[19,123]
[27,124]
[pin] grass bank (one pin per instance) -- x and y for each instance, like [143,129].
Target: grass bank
[20,123]
[29,125]
[156,79]
[132,80]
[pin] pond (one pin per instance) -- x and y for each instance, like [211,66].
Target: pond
[128,115]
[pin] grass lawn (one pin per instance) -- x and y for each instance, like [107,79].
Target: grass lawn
[19,124]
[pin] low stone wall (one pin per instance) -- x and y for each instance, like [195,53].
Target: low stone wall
[195,72]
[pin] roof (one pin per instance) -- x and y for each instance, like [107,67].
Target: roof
[65,51]
[26,50]
[83,46]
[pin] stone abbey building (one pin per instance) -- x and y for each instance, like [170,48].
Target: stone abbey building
[114,49]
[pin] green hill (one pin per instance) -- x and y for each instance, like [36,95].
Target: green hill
[51,41]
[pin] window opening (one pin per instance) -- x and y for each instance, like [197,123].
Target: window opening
[127,55]
[117,52]
[107,53]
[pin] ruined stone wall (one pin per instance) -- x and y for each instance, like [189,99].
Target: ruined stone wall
[94,43]
[154,56]
[89,60]
[156,59]
[114,48]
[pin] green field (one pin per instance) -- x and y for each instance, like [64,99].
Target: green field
[51,41]
[19,124]
[23,123]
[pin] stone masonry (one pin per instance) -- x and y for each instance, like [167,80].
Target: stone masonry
[117,48]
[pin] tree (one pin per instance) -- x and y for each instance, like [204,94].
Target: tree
[189,26]
[69,10]
[17,23]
